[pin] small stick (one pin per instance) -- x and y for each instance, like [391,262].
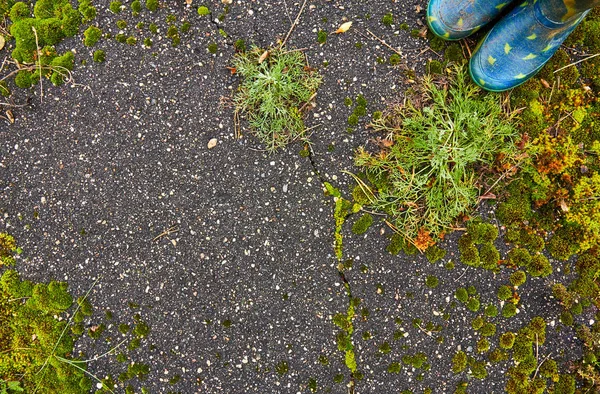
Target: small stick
[577,62]
[539,365]
[39,53]
[425,331]
[293,24]
[384,43]
[307,102]
[170,230]
[463,274]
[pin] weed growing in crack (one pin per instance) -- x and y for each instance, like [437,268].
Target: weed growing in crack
[433,150]
[275,89]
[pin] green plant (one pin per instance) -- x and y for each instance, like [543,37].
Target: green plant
[152,5]
[8,249]
[504,293]
[322,37]
[273,92]
[507,340]
[473,304]
[462,295]
[518,278]
[434,253]
[388,19]
[509,310]
[136,7]
[203,10]
[115,6]
[459,362]
[426,177]
[91,36]
[39,352]
[362,224]
[432,282]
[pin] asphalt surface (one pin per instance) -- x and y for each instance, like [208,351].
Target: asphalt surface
[246,278]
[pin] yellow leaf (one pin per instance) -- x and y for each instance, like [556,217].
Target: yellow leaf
[343,28]
[263,57]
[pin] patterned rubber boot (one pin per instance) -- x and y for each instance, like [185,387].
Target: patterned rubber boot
[456,19]
[521,43]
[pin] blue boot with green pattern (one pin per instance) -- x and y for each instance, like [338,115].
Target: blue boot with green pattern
[523,41]
[456,19]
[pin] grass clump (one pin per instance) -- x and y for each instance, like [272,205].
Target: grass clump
[425,178]
[273,93]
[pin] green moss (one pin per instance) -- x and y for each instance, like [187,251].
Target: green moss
[477,323]
[122,38]
[566,318]
[87,10]
[136,7]
[454,54]
[99,56]
[185,27]
[434,67]
[497,356]
[483,345]
[361,101]
[478,370]
[519,257]
[353,120]
[518,278]
[434,253]
[359,111]
[565,385]
[505,293]
[437,44]
[489,256]
[61,64]
[491,310]
[152,5]
[482,232]
[432,282]
[131,40]
[539,266]
[115,6]
[19,11]
[213,48]
[362,224]
[348,101]
[388,19]
[473,304]
[203,10]
[488,329]
[507,340]
[469,254]
[147,42]
[91,36]
[509,310]
[395,59]
[461,295]
[560,248]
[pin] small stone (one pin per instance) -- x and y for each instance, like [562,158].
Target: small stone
[212,143]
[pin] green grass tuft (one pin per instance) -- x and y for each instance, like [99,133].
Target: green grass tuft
[273,92]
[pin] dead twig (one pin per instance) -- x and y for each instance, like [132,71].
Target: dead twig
[169,231]
[39,53]
[577,62]
[293,24]
[382,42]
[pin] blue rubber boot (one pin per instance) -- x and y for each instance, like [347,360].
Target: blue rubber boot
[521,43]
[456,19]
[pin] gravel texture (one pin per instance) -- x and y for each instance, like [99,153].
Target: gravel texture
[246,278]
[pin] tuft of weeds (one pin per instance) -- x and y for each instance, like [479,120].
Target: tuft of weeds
[429,171]
[276,86]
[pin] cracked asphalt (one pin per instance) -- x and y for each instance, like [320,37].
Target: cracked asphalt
[91,175]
